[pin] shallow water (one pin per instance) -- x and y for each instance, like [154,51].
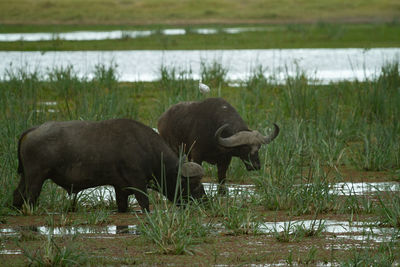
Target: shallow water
[356,231]
[346,189]
[72,230]
[323,65]
[10,251]
[118,34]
[342,228]
[232,189]
[335,230]
[342,189]
[106,193]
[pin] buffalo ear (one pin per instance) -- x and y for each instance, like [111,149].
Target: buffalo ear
[191,169]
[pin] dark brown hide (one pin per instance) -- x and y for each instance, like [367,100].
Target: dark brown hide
[212,131]
[122,153]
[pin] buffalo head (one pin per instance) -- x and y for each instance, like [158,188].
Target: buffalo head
[245,144]
[191,180]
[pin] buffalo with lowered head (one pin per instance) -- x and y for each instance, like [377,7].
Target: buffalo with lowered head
[122,153]
[212,130]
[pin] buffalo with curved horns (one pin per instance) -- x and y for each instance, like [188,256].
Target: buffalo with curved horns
[212,130]
[122,153]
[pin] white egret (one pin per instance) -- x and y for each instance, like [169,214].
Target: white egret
[203,88]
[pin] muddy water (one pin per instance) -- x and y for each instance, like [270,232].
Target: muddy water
[106,193]
[346,189]
[73,230]
[10,251]
[323,65]
[343,189]
[355,231]
[332,230]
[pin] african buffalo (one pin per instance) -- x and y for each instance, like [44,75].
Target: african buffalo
[211,130]
[122,153]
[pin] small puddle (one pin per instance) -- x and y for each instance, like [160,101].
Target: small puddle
[346,189]
[342,189]
[10,251]
[106,193]
[47,106]
[342,229]
[284,263]
[73,230]
[357,231]
[232,189]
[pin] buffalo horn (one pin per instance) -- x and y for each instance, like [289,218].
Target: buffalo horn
[268,139]
[244,137]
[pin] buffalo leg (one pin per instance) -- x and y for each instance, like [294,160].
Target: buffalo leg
[34,191]
[222,169]
[74,201]
[30,186]
[28,193]
[20,193]
[143,200]
[122,199]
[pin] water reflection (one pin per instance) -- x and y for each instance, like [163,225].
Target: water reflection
[346,189]
[72,230]
[320,65]
[342,189]
[107,194]
[117,34]
[329,226]
[10,251]
[356,231]
[232,189]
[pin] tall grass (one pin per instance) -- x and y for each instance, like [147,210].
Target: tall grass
[213,74]
[388,208]
[377,109]
[174,229]
[323,127]
[29,98]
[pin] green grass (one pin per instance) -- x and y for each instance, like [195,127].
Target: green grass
[324,128]
[223,11]
[174,230]
[320,35]
[366,256]
[294,232]
[348,123]
[53,254]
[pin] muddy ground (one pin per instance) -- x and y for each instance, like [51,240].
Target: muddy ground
[118,243]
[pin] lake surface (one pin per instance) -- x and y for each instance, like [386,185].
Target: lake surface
[324,65]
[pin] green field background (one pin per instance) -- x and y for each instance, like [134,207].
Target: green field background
[145,12]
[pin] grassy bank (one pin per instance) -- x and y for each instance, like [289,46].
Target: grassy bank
[319,35]
[144,12]
[288,24]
